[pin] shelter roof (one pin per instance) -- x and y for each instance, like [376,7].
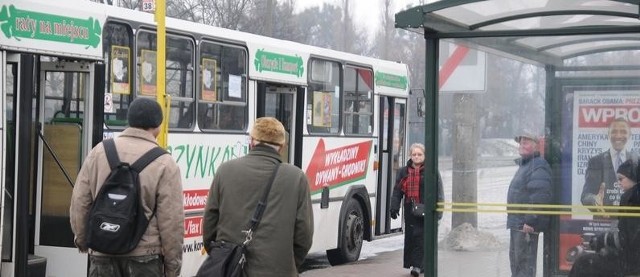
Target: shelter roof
[542,31]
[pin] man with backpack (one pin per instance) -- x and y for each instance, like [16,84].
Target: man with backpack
[127,204]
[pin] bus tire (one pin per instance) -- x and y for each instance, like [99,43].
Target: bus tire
[351,236]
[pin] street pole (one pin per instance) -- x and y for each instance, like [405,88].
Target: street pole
[161,95]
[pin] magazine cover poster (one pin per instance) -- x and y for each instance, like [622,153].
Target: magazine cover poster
[602,125]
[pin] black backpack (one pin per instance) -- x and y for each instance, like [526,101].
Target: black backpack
[116,221]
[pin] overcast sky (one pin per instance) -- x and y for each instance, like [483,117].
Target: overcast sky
[364,11]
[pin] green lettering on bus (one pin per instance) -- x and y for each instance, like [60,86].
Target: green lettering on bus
[279,63]
[391,80]
[16,23]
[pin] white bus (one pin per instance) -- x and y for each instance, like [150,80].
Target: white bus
[69,70]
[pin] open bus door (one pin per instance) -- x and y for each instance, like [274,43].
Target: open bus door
[280,101]
[52,111]
[393,137]
[65,137]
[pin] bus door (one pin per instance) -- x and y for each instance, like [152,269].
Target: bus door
[64,137]
[283,102]
[392,156]
[46,139]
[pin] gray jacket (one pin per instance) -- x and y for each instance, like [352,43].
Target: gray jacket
[284,236]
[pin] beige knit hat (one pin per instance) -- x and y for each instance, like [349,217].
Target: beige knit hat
[268,130]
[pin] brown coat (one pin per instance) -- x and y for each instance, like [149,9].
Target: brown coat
[284,236]
[160,184]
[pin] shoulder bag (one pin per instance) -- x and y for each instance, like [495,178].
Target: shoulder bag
[227,259]
[417,209]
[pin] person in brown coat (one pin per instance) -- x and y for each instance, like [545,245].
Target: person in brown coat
[159,252]
[284,235]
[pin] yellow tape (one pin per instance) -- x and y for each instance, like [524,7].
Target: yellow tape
[544,209]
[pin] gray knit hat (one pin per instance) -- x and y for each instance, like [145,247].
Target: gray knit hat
[144,113]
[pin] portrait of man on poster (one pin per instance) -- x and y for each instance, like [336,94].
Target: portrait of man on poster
[601,187]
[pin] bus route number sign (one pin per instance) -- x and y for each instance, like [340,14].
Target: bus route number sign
[148,5]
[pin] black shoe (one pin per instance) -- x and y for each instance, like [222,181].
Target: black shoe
[415,271]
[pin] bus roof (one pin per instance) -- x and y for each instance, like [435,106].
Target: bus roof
[68,29]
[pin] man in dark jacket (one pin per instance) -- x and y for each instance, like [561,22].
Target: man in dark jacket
[284,235]
[530,185]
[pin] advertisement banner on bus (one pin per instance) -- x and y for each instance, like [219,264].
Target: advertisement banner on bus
[338,166]
[50,28]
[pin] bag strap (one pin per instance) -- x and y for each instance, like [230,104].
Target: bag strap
[111,152]
[262,205]
[147,158]
[140,164]
[144,161]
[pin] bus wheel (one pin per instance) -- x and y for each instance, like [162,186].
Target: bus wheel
[351,236]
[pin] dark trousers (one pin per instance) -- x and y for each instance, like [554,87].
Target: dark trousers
[150,265]
[523,251]
[413,241]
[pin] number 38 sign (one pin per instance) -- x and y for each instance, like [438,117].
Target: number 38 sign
[148,5]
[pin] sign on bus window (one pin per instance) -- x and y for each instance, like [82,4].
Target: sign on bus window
[120,69]
[322,109]
[209,80]
[148,72]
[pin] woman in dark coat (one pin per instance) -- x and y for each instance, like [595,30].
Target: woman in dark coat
[629,227]
[618,249]
[410,186]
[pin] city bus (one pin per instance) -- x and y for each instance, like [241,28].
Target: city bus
[69,70]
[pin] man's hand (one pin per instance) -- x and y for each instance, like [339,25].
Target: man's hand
[81,247]
[527,229]
[394,213]
[600,195]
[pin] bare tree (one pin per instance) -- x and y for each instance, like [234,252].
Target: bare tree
[130,4]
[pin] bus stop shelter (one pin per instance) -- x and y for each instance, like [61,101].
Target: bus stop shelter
[562,69]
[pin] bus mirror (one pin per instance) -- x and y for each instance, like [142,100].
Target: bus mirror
[420,106]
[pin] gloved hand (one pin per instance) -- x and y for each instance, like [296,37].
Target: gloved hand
[394,213]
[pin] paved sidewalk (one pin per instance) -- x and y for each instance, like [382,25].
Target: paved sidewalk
[493,263]
[387,264]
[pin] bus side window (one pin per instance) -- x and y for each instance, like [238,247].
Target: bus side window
[117,43]
[186,119]
[205,115]
[324,97]
[358,101]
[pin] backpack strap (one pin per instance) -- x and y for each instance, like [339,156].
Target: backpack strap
[144,161]
[111,152]
[147,158]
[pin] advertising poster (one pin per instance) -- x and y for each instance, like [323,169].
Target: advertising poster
[594,135]
[209,80]
[322,108]
[148,72]
[120,57]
